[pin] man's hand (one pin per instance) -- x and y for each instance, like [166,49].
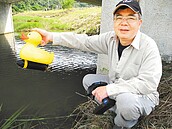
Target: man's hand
[46,36]
[100,93]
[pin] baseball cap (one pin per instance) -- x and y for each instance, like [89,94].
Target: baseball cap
[132,4]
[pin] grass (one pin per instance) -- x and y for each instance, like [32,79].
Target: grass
[85,118]
[11,120]
[80,20]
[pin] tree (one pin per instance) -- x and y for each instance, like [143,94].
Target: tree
[35,5]
[67,3]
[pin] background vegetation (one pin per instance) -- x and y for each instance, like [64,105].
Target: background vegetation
[80,20]
[35,5]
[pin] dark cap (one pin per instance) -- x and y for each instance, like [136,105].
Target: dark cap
[132,4]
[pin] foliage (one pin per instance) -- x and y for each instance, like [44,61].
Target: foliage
[66,3]
[80,20]
[32,5]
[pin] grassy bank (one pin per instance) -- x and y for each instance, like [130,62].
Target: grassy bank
[80,20]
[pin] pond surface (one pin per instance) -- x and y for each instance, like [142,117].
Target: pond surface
[51,93]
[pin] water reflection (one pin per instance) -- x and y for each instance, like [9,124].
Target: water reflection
[46,93]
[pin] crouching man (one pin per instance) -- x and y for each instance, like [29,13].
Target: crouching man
[135,65]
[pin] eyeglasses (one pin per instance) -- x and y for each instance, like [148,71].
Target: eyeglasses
[129,19]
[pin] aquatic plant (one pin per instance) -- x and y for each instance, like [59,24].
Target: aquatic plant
[11,120]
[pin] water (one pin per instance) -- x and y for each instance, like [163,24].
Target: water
[50,93]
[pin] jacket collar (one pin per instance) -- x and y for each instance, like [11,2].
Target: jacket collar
[136,41]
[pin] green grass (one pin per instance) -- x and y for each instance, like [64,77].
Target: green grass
[11,120]
[25,23]
[80,20]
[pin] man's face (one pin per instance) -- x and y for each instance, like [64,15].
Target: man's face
[126,24]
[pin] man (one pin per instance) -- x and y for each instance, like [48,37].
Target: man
[134,63]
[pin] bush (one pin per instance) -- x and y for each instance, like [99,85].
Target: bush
[65,4]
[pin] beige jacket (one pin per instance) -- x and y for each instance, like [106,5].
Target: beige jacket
[139,69]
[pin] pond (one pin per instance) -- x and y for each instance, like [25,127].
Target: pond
[47,94]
